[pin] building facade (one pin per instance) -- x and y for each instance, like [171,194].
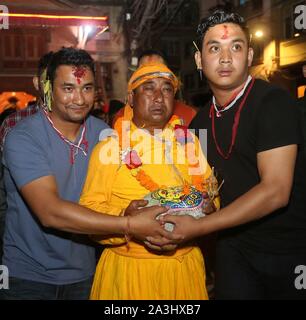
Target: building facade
[29,37]
[279,51]
[278,38]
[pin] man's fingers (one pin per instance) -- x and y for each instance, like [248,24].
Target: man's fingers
[169,247]
[168,218]
[167,238]
[157,241]
[137,207]
[160,241]
[134,207]
[152,247]
[155,210]
[136,204]
[165,234]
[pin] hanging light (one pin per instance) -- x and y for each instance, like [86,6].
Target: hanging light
[259,34]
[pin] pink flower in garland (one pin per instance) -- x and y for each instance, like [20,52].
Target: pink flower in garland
[132,160]
[182,134]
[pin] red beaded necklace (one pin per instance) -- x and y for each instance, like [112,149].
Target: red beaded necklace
[234,127]
[74,148]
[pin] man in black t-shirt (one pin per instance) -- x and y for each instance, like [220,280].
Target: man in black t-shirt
[253,135]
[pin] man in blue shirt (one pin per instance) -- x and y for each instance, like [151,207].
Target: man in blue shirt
[46,248]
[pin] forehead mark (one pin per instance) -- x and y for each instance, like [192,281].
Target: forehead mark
[79,72]
[225,35]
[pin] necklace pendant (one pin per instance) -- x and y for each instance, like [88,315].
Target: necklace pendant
[218,114]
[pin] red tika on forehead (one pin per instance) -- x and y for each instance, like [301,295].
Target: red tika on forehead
[79,73]
[225,35]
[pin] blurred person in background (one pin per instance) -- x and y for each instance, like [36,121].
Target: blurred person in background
[11,120]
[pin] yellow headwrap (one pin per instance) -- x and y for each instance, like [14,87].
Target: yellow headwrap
[144,73]
[151,71]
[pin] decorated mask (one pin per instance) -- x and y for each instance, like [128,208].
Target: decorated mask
[192,204]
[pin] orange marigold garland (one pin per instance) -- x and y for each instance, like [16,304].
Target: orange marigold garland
[133,161]
[146,181]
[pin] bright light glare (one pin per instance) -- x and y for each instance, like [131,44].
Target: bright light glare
[258,34]
[88,29]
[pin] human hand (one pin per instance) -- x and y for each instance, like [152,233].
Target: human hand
[143,222]
[209,207]
[167,247]
[186,228]
[134,206]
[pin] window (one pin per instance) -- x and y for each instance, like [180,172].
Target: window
[21,48]
[30,47]
[34,46]
[12,47]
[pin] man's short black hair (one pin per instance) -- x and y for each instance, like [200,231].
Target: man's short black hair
[220,16]
[43,62]
[71,57]
[152,52]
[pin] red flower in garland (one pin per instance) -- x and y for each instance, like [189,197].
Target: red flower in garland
[182,134]
[132,160]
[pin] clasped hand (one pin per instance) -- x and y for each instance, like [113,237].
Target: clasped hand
[145,226]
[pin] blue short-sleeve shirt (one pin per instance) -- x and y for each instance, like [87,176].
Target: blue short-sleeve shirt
[33,149]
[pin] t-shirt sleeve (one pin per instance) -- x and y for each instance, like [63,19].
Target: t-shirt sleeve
[278,122]
[25,158]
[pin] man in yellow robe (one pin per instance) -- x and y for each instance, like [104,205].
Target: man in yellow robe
[142,156]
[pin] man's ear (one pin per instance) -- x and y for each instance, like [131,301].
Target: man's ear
[250,56]
[198,60]
[131,99]
[36,82]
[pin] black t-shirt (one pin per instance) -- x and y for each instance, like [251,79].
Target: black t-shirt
[269,119]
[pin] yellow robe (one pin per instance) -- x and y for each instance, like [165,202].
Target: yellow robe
[131,271]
